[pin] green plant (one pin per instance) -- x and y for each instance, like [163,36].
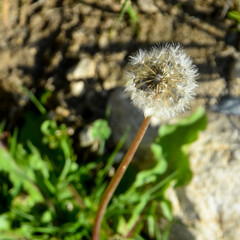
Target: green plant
[127,7]
[101,132]
[133,16]
[235,15]
[47,193]
[145,199]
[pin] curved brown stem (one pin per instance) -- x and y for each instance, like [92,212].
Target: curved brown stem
[117,177]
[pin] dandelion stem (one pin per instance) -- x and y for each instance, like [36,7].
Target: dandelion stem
[117,177]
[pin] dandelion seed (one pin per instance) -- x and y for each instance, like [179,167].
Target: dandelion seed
[161,82]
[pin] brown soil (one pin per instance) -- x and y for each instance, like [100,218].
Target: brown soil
[42,40]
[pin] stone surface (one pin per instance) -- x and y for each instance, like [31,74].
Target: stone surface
[84,69]
[235,78]
[229,106]
[77,88]
[85,137]
[124,115]
[147,6]
[208,208]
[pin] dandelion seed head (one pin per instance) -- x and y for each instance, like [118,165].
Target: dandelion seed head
[161,81]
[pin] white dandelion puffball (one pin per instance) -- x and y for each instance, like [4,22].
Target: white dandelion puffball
[161,81]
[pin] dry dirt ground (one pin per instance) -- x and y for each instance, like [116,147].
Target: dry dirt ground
[77,50]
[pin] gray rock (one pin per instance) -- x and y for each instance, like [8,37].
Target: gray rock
[86,68]
[77,88]
[229,106]
[209,206]
[125,115]
[234,85]
[147,6]
[87,140]
[235,73]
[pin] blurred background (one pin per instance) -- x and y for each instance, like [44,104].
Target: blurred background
[65,123]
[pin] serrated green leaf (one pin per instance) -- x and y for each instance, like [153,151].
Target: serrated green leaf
[150,175]
[174,138]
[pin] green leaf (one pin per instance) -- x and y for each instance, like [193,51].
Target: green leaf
[103,172]
[13,142]
[137,210]
[151,225]
[121,226]
[150,175]
[166,209]
[157,151]
[35,160]
[45,96]
[234,15]
[145,177]
[174,140]
[48,127]
[5,224]
[35,101]
[123,10]
[46,217]
[101,130]
[18,176]
[155,190]
[133,16]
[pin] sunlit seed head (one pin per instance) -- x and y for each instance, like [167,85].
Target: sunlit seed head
[161,81]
